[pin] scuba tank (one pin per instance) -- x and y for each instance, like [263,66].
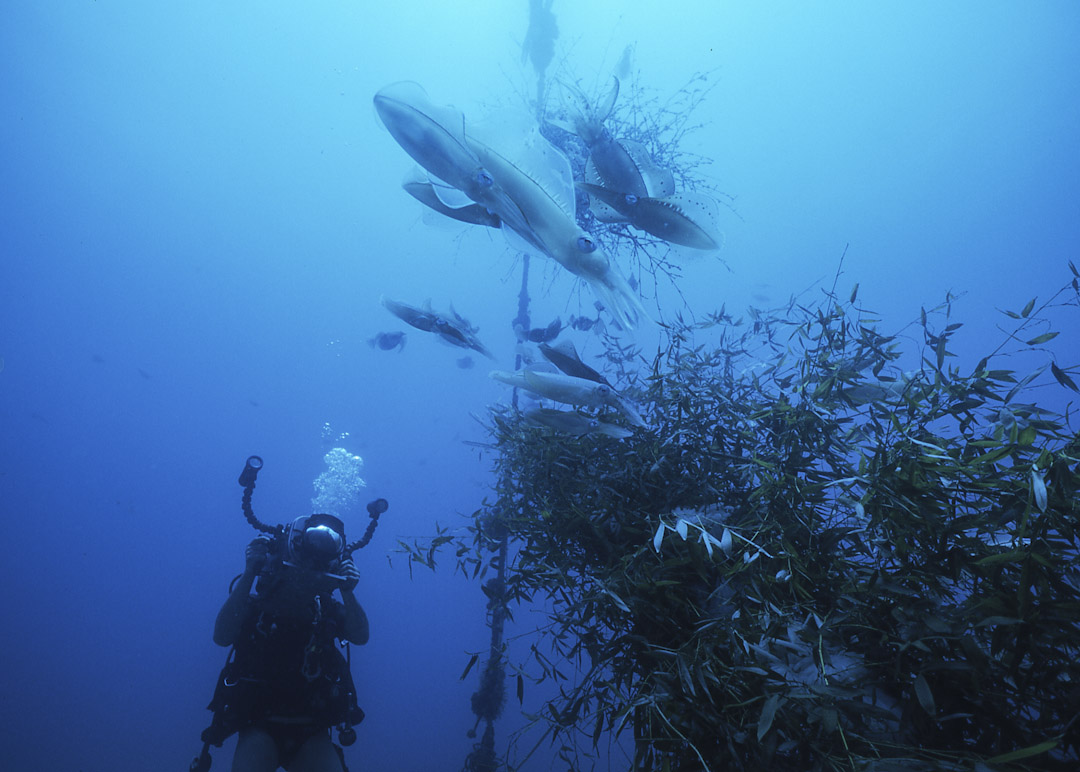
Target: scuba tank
[314,545]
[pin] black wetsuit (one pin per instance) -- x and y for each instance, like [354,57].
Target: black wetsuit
[286,675]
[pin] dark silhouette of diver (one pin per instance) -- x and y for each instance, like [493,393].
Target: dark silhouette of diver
[286,682]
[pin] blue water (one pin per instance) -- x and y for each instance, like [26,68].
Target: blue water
[201,212]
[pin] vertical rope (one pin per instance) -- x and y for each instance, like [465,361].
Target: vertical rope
[521,321]
[487,701]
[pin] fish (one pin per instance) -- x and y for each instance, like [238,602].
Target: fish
[584,324]
[539,334]
[453,329]
[546,334]
[569,390]
[388,341]
[886,389]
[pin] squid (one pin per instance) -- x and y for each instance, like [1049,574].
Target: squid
[541,188]
[569,390]
[434,137]
[574,423]
[454,330]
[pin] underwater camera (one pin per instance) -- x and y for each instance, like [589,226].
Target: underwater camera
[310,541]
[316,542]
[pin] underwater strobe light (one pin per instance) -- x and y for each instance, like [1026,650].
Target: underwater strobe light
[251,471]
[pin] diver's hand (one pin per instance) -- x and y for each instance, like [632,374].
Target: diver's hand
[255,554]
[352,577]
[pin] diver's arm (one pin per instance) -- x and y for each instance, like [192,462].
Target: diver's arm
[356,621]
[231,617]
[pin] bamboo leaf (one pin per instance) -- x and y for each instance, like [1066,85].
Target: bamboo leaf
[1023,753]
[1062,377]
[681,529]
[472,661]
[658,538]
[768,713]
[1042,338]
[1038,487]
[725,542]
[1027,309]
[684,676]
[520,689]
[1004,557]
[618,601]
[926,697]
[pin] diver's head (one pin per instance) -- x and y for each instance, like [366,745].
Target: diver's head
[317,541]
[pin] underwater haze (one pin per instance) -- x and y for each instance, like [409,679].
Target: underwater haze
[202,211]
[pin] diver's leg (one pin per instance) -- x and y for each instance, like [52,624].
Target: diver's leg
[318,754]
[255,752]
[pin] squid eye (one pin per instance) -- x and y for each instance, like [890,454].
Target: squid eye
[484,179]
[631,199]
[585,244]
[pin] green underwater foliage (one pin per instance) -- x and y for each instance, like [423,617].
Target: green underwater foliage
[811,559]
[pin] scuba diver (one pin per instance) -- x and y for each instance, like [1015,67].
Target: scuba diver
[286,683]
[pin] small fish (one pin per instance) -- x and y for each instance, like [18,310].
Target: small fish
[546,334]
[465,363]
[584,324]
[539,334]
[388,341]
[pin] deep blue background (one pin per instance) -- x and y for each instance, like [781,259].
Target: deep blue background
[200,213]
